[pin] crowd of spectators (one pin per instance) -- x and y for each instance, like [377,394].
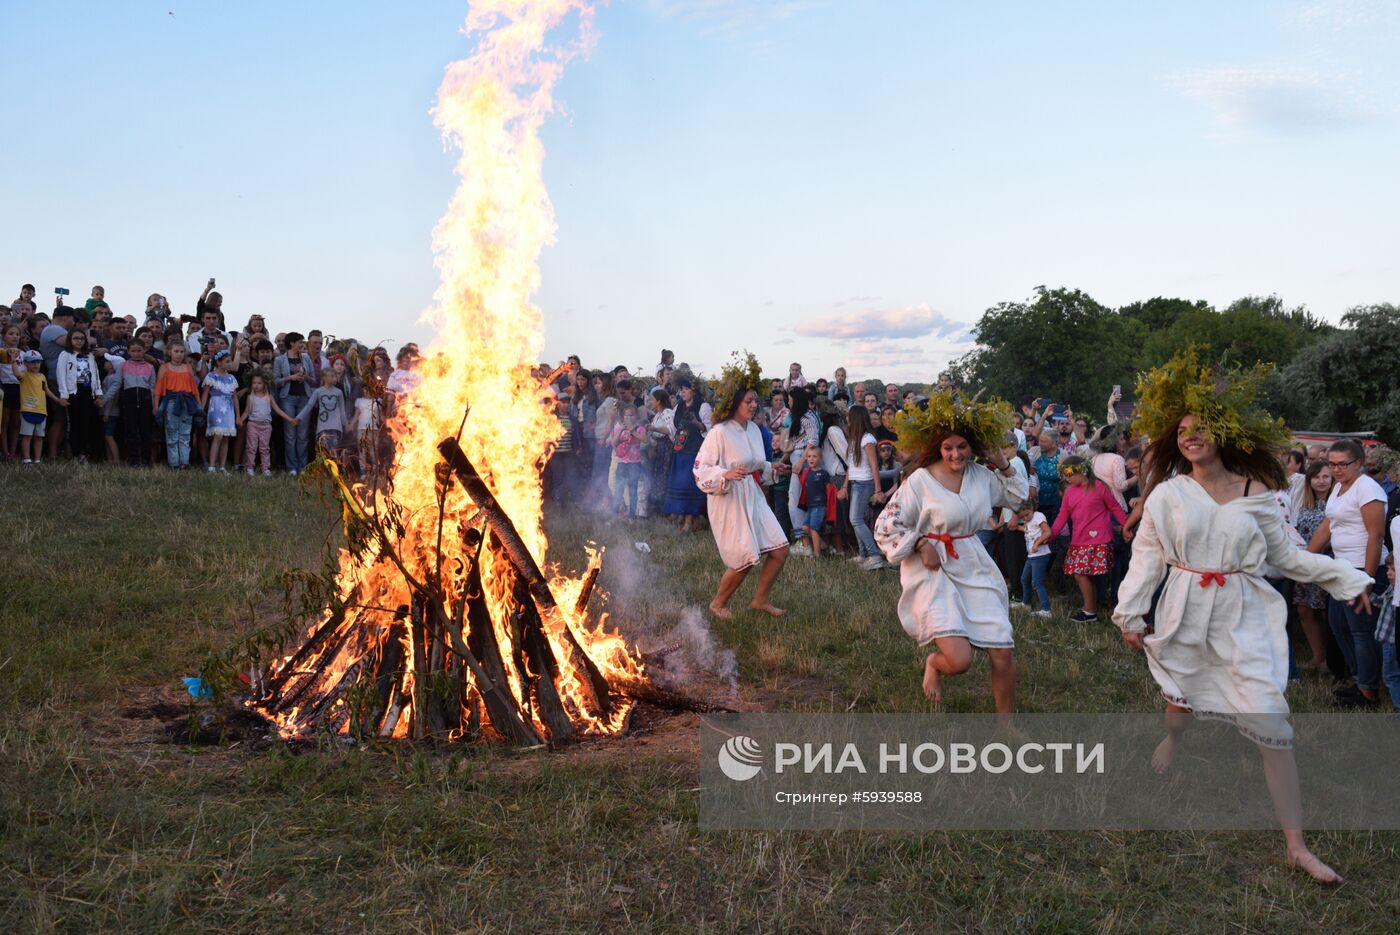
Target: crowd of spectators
[629,441]
[82,382]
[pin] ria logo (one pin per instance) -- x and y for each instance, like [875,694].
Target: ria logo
[740,758]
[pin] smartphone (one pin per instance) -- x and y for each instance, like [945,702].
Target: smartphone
[1059,418]
[1117,389]
[59,290]
[1043,402]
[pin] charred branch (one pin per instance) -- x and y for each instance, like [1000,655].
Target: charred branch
[528,569]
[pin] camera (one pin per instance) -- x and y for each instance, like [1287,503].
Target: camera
[59,290]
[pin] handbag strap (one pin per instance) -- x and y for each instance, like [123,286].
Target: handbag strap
[827,441]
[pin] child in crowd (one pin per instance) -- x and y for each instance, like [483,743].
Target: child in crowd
[220,406]
[80,387]
[134,387]
[329,405]
[1032,523]
[34,396]
[175,401]
[257,414]
[812,500]
[10,354]
[1088,504]
[626,440]
[111,405]
[97,297]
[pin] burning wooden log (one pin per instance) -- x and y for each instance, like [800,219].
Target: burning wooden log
[528,569]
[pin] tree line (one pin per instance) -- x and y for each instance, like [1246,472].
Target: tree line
[1063,344]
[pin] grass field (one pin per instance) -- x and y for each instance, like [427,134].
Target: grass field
[119,583]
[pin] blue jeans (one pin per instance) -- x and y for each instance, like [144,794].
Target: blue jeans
[602,462]
[629,475]
[1337,623]
[860,494]
[796,514]
[1365,656]
[177,437]
[294,439]
[1390,672]
[1284,587]
[1033,576]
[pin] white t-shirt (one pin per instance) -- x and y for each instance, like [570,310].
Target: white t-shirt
[834,451]
[1344,518]
[1034,532]
[860,471]
[1019,468]
[1395,538]
[1297,486]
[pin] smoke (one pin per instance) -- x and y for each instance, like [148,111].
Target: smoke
[681,651]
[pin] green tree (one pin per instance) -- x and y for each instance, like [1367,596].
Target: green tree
[1347,381]
[1250,330]
[1061,344]
[1161,313]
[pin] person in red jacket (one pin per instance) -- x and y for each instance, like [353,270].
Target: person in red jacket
[1087,504]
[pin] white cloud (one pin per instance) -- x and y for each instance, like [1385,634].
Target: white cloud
[912,322]
[1274,100]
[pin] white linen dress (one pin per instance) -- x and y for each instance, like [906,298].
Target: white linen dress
[1220,649]
[743,524]
[966,596]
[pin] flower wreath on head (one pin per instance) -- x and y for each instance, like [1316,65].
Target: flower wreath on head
[983,424]
[741,373]
[1069,470]
[1224,400]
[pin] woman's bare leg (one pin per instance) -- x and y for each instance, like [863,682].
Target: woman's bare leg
[772,564]
[1003,680]
[1316,636]
[1281,774]
[728,583]
[953,656]
[1177,719]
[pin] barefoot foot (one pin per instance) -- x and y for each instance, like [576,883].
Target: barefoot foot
[769,609]
[1162,756]
[722,613]
[933,687]
[1310,864]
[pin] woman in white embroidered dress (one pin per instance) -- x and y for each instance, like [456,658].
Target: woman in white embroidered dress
[731,470]
[953,595]
[1210,525]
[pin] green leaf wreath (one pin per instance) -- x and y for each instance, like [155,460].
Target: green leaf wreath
[1224,400]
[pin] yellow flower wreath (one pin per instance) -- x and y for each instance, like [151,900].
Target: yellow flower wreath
[983,424]
[1224,400]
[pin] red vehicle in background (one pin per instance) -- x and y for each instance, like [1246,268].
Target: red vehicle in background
[1304,439]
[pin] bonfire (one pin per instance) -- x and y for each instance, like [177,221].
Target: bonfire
[442,621]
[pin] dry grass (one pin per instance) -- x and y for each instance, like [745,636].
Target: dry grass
[104,832]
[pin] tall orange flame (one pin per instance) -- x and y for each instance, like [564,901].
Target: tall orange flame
[488,333]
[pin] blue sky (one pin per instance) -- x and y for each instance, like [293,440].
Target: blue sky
[817,181]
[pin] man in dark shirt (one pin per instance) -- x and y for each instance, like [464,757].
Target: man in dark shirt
[118,337]
[884,429]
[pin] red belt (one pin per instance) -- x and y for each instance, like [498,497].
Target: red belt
[947,540]
[1208,577]
[757,477]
